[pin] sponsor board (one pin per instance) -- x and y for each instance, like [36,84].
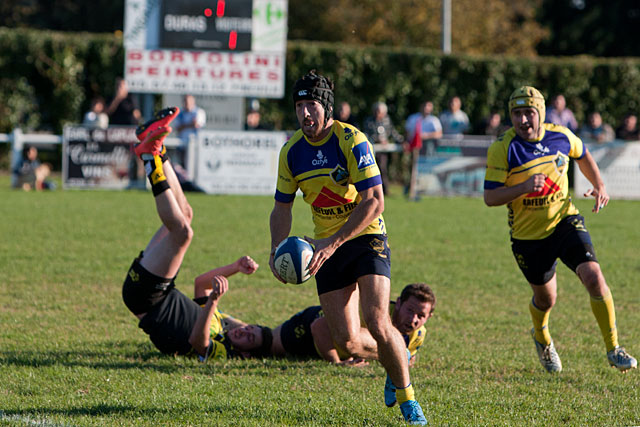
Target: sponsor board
[97,158]
[234,162]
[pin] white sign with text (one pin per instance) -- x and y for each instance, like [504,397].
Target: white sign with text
[238,162]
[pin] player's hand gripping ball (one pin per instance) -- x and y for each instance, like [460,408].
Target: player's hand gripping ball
[292,258]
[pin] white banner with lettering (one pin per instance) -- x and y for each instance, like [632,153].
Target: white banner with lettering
[238,162]
[200,72]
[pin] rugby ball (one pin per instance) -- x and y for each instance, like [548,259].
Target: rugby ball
[292,258]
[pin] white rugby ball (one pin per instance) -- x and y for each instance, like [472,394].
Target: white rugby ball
[292,258]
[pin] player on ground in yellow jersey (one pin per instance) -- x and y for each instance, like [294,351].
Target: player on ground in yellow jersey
[334,166]
[527,169]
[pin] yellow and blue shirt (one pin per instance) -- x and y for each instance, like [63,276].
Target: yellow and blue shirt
[330,173]
[512,160]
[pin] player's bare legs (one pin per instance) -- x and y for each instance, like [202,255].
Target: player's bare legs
[341,310]
[592,278]
[165,251]
[392,351]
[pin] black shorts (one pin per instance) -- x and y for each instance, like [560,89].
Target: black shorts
[169,324]
[570,242]
[142,290]
[366,254]
[296,333]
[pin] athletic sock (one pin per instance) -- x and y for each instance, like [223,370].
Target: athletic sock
[540,324]
[404,394]
[605,313]
[155,173]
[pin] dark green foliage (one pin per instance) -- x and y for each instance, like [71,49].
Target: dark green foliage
[48,79]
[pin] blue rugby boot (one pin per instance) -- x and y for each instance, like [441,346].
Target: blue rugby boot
[412,412]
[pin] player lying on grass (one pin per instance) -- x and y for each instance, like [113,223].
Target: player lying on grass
[175,323]
[307,334]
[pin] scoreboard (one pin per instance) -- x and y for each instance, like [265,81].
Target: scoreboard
[207,25]
[207,47]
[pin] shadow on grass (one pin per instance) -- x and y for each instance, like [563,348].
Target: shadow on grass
[131,355]
[40,415]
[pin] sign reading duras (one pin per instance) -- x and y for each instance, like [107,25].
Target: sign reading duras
[238,162]
[97,158]
[205,24]
[207,73]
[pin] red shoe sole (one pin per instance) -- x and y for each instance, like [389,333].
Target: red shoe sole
[161,118]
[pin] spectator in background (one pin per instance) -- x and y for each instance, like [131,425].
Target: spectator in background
[380,131]
[595,130]
[96,117]
[628,130]
[29,173]
[122,109]
[559,114]
[492,124]
[428,125]
[454,121]
[190,119]
[254,118]
[343,114]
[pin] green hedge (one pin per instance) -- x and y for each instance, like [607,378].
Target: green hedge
[47,79]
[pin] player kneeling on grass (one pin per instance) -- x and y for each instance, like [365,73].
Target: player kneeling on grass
[175,323]
[527,169]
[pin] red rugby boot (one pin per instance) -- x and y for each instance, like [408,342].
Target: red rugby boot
[161,118]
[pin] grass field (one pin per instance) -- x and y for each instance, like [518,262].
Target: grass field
[72,354]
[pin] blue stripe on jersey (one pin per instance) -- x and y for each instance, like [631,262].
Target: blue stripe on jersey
[533,166]
[284,198]
[304,157]
[313,176]
[490,185]
[368,183]
[521,151]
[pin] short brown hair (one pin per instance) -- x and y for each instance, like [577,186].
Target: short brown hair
[421,291]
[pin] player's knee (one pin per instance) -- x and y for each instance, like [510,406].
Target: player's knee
[188,213]
[545,302]
[380,328]
[184,234]
[592,278]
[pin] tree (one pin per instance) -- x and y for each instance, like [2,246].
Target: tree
[478,27]
[592,27]
[63,15]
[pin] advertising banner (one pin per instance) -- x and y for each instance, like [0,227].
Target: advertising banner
[97,158]
[201,72]
[238,162]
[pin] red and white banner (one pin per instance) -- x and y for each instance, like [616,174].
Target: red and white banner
[205,72]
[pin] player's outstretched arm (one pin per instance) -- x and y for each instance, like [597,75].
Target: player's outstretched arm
[590,170]
[200,334]
[502,195]
[202,284]
[280,225]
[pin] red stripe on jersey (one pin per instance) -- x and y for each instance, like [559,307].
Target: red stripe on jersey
[328,198]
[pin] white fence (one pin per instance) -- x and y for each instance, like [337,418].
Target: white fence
[448,166]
